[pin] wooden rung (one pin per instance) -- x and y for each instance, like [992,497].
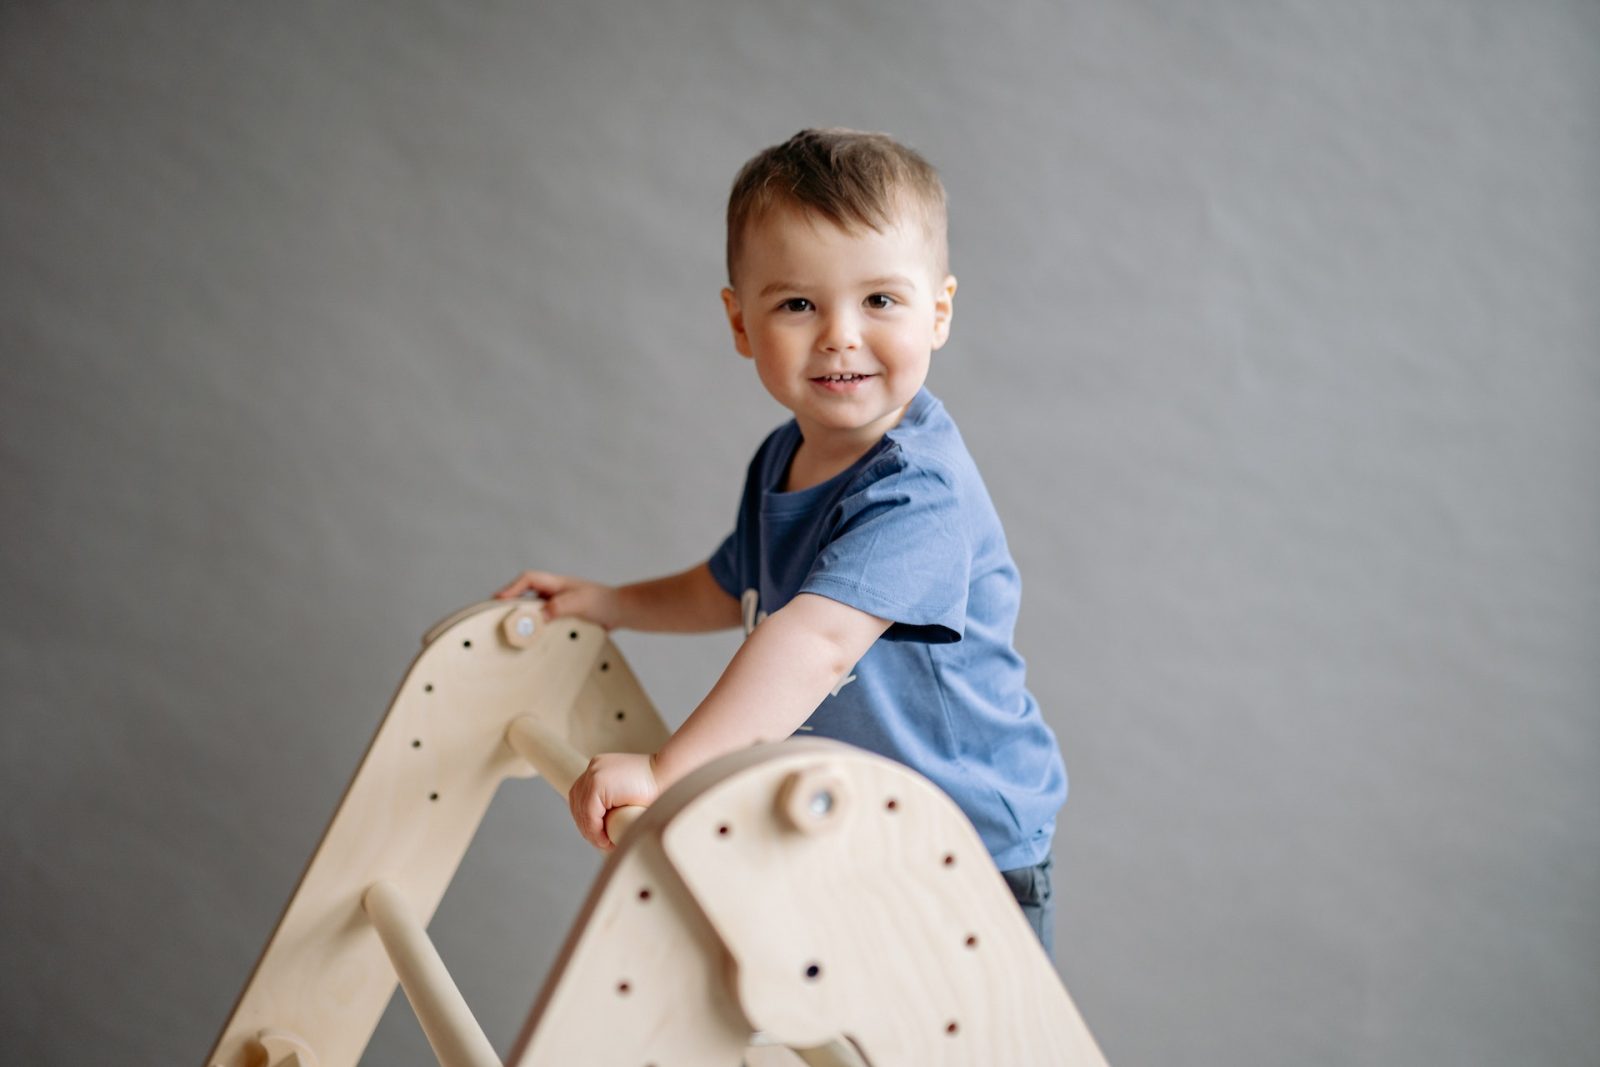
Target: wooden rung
[560,765]
[456,1037]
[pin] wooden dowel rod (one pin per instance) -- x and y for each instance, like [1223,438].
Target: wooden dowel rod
[555,760]
[620,820]
[560,764]
[456,1037]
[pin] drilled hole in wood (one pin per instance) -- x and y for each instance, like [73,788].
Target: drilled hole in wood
[644,894]
[605,666]
[621,715]
[813,971]
[951,1027]
[623,988]
[467,643]
[723,830]
[433,796]
[891,804]
[972,940]
[949,859]
[573,636]
[428,688]
[417,743]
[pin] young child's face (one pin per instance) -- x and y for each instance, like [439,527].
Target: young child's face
[840,323]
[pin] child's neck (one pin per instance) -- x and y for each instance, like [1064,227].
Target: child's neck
[821,455]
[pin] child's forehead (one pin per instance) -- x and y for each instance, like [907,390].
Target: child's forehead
[797,231]
[798,218]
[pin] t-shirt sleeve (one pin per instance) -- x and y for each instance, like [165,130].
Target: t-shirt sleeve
[724,565]
[899,551]
[729,563]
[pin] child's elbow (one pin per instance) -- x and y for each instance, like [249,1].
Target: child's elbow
[842,633]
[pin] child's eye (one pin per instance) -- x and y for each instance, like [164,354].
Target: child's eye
[796,303]
[879,301]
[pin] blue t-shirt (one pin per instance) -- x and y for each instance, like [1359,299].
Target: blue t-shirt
[908,533]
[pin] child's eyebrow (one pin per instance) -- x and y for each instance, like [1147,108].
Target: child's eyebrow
[773,288]
[892,280]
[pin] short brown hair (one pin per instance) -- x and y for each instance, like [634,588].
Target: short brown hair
[848,177]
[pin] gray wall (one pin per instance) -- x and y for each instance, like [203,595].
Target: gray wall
[1277,340]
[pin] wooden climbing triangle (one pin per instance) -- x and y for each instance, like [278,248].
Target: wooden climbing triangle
[795,902]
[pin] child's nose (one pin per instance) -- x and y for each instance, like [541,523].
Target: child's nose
[841,333]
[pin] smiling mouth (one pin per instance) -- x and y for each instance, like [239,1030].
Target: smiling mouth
[841,377]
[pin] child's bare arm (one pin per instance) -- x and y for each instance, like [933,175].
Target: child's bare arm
[786,667]
[688,602]
[789,663]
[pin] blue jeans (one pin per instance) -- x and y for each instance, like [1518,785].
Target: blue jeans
[1031,887]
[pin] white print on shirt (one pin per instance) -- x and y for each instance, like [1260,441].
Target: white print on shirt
[748,605]
[750,611]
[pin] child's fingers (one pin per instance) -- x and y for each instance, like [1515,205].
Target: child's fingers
[560,605]
[599,840]
[529,581]
[589,813]
[585,831]
[516,587]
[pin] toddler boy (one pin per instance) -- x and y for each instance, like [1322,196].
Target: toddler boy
[867,564]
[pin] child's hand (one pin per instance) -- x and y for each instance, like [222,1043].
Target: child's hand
[612,780]
[565,596]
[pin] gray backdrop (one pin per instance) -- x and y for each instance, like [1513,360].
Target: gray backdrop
[1277,340]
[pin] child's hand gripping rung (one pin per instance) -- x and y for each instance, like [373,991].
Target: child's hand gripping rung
[560,764]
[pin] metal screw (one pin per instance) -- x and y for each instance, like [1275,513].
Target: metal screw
[813,800]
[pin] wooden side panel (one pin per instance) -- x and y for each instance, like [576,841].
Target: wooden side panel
[873,913]
[641,979]
[412,809]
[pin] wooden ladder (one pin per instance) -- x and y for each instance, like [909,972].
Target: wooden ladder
[795,901]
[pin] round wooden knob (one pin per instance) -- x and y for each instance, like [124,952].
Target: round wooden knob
[280,1048]
[814,799]
[520,625]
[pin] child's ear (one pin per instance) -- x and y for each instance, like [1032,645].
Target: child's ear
[741,339]
[944,308]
